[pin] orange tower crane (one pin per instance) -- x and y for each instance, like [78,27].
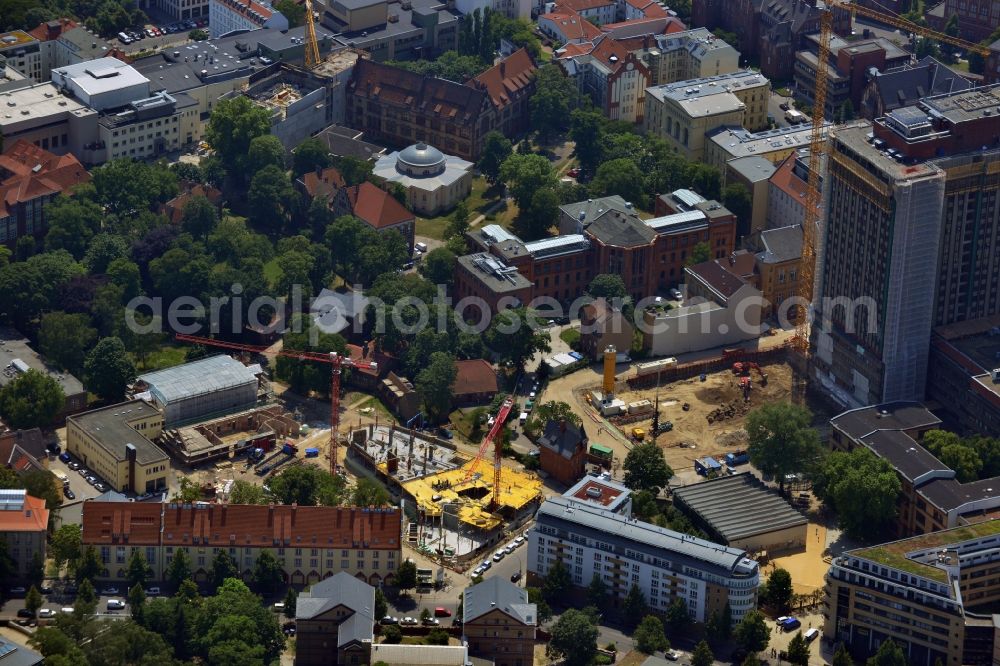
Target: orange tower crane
[817,143]
[312,44]
[499,422]
[337,362]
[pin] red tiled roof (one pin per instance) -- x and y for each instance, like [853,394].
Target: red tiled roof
[474,376]
[606,49]
[572,25]
[32,172]
[376,206]
[325,182]
[574,50]
[174,209]
[649,8]
[421,94]
[52,29]
[788,182]
[717,276]
[385,361]
[236,525]
[33,517]
[508,77]
[583,5]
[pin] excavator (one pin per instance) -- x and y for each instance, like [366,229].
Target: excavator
[743,369]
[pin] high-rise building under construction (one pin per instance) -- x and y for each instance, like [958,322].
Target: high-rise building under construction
[911,241]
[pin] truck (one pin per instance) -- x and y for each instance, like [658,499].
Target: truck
[312,453]
[289,449]
[706,466]
[737,458]
[795,117]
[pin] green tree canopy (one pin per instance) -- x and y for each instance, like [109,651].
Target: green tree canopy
[434,384]
[889,654]
[608,286]
[779,589]
[496,149]
[138,571]
[798,650]
[370,493]
[702,655]
[574,638]
[310,155]
[267,572]
[65,339]
[646,468]
[862,488]
[557,582]
[108,369]
[649,636]
[234,123]
[406,575]
[31,400]
[511,336]
[200,217]
[781,439]
[751,633]
[555,98]
[307,485]
[439,266]
[622,177]
[525,175]
[72,222]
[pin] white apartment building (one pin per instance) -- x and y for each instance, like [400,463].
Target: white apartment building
[183,9]
[624,551]
[226,16]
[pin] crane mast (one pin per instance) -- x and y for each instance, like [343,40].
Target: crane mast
[337,363]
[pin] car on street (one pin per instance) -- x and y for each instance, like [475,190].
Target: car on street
[431,621]
[100,487]
[92,480]
[676,294]
[109,591]
[478,571]
[70,495]
[45,589]
[441,611]
[389,619]
[65,457]
[46,612]
[784,106]
[83,471]
[499,555]
[518,540]
[24,612]
[812,634]
[516,576]
[672,655]
[790,624]
[573,173]
[510,548]
[73,465]
[486,565]
[409,621]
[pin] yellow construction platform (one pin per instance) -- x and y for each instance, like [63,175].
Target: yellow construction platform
[517,490]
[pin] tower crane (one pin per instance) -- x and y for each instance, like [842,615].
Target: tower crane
[312,44]
[499,421]
[337,362]
[817,145]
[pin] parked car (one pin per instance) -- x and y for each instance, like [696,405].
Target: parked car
[116,604]
[812,634]
[573,173]
[518,540]
[108,591]
[676,294]
[83,471]
[91,479]
[100,487]
[410,621]
[499,555]
[152,591]
[65,457]
[45,589]
[389,619]
[516,576]
[73,465]
[24,612]
[486,565]
[672,655]
[70,495]
[431,621]
[791,624]
[278,607]
[46,612]
[784,106]
[441,611]
[478,571]
[17,590]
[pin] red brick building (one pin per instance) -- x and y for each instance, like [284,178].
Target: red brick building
[509,85]
[475,382]
[31,177]
[563,451]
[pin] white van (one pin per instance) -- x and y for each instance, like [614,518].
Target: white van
[523,418]
[116,604]
[420,247]
[812,634]
[795,117]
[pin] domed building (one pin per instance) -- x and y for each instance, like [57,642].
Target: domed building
[434,182]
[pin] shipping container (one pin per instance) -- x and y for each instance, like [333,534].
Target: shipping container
[312,453]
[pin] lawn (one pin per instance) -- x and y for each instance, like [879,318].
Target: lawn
[165,357]
[480,198]
[375,404]
[570,336]
[272,272]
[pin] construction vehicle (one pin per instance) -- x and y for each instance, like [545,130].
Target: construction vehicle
[737,458]
[497,424]
[638,434]
[817,145]
[743,369]
[337,361]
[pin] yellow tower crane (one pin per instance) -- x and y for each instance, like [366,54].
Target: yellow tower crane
[312,44]
[817,144]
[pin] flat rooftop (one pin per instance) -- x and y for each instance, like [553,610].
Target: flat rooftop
[109,426]
[739,506]
[102,75]
[740,142]
[15,38]
[910,555]
[709,85]
[601,492]
[857,423]
[42,101]
[493,273]
[15,347]
[855,139]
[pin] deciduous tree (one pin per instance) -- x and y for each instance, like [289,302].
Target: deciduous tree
[649,636]
[108,369]
[862,488]
[31,400]
[496,149]
[234,123]
[646,468]
[781,439]
[574,638]
[751,633]
[65,339]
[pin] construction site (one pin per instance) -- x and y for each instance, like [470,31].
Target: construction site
[456,504]
[702,406]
